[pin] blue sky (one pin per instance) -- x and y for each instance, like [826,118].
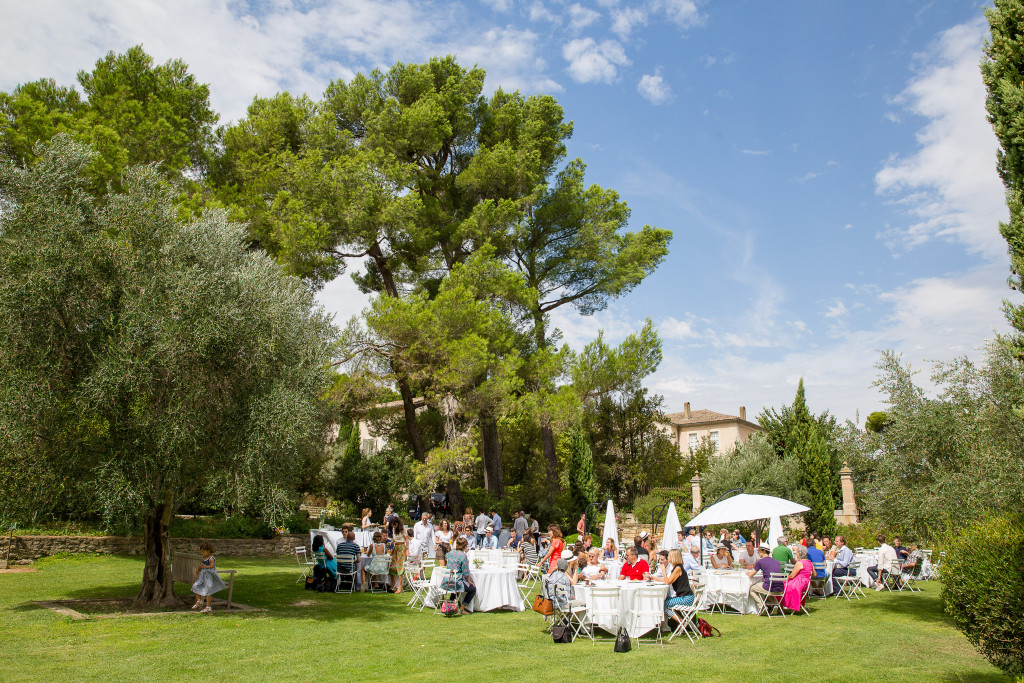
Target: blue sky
[826,167]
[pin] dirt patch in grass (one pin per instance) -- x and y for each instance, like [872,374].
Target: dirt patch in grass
[109,608]
[18,570]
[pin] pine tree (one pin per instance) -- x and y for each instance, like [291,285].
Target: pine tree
[811,451]
[1003,73]
[581,470]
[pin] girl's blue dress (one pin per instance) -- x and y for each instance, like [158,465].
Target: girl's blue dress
[209,581]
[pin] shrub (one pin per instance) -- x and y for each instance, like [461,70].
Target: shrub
[983,589]
[644,505]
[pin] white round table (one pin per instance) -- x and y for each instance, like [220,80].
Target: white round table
[731,588]
[626,605]
[495,589]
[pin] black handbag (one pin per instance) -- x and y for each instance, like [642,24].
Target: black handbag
[622,643]
[561,633]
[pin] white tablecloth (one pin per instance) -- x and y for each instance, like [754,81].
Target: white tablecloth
[494,558]
[627,604]
[730,588]
[495,589]
[334,536]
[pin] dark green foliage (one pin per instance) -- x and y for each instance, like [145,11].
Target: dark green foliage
[811,451]
[133,112]
[581,470]
[756,468]
[645,504]
[345,483]
[237,526]
[877,422]
[1003,72]
[983,589]
[698,461]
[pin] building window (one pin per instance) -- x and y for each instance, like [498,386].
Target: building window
[369,446]
[714,441]
[694,443]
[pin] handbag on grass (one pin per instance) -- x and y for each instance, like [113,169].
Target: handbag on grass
[622,643]
[543,606]
[449,608]
[561,634]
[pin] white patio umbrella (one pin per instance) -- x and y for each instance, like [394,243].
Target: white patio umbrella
[611,529]
[670,538]
[746,507]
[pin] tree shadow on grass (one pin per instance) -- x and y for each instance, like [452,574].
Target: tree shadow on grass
[976,677]
[920,606]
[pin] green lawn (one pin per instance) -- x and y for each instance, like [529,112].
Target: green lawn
[898,637]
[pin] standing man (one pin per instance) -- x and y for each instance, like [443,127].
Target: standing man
[844,556]
[535,528]
[496,523]
[482,522]
[423,530]
[520,524]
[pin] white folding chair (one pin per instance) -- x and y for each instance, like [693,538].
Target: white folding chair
[427,563]
[348,568]
[687,616]
[440,593]
[650,605]
[773,599]
[528,581]
[604,607]
[817,584]
[909,575]
[892,581]
[304,562]
[850,583]
[420,588]
[377,573]
[566,611]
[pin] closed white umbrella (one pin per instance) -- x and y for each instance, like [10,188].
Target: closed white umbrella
[611,529]
[746,507]
[670,539]
[774,530]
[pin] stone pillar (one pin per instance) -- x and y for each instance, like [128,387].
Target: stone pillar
[695,486]
[849,513]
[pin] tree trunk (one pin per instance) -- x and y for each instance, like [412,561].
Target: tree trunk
[157,587]
[412,428]
[547,437]
[490,451]
[454,490]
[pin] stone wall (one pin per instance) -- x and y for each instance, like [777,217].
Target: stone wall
[25,549]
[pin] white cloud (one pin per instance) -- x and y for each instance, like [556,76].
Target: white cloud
[580,17]
[683,13]
[591,62]
[654,88]
[241,53]
[810,175]
[625,19]
[949,187]
[757,152]
[539,12]
[837,310]
[500,5]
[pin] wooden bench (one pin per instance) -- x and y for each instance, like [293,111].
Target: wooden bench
[185,565]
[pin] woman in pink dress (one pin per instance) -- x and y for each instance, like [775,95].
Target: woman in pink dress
[797,582]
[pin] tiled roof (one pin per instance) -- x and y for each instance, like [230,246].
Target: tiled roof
[702,417]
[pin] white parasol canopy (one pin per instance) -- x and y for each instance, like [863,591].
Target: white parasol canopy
[746,507]
[670,538]
[611,529]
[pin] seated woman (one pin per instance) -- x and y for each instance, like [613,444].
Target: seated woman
[459,578]
[679,590]
[610,552]
[562,575]
[594,569]
[721,559]
[797,581]
[328,566]
[528,549]
[378,549]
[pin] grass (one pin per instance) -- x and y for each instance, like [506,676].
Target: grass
[312,636]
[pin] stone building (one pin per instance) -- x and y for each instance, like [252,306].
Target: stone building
[689,427]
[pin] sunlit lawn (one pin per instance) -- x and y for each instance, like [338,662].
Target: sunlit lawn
[898,637]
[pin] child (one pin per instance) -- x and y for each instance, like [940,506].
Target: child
[208,581]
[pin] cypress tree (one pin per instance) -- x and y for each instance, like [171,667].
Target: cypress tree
[581,470]
[1002,69]
[811,451]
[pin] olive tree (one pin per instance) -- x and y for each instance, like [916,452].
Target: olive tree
[148,356]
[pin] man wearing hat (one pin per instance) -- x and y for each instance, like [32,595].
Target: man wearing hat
[559,577]
[638,545]
[767,565]
[489,541]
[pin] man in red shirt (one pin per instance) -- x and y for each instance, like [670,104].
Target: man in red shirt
[634,568]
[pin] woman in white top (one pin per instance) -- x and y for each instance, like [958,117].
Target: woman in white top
[443,534]
[366,524]
[594,569]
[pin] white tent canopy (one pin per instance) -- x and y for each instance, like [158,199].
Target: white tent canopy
[611,528]
[670,538]
[746,507]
